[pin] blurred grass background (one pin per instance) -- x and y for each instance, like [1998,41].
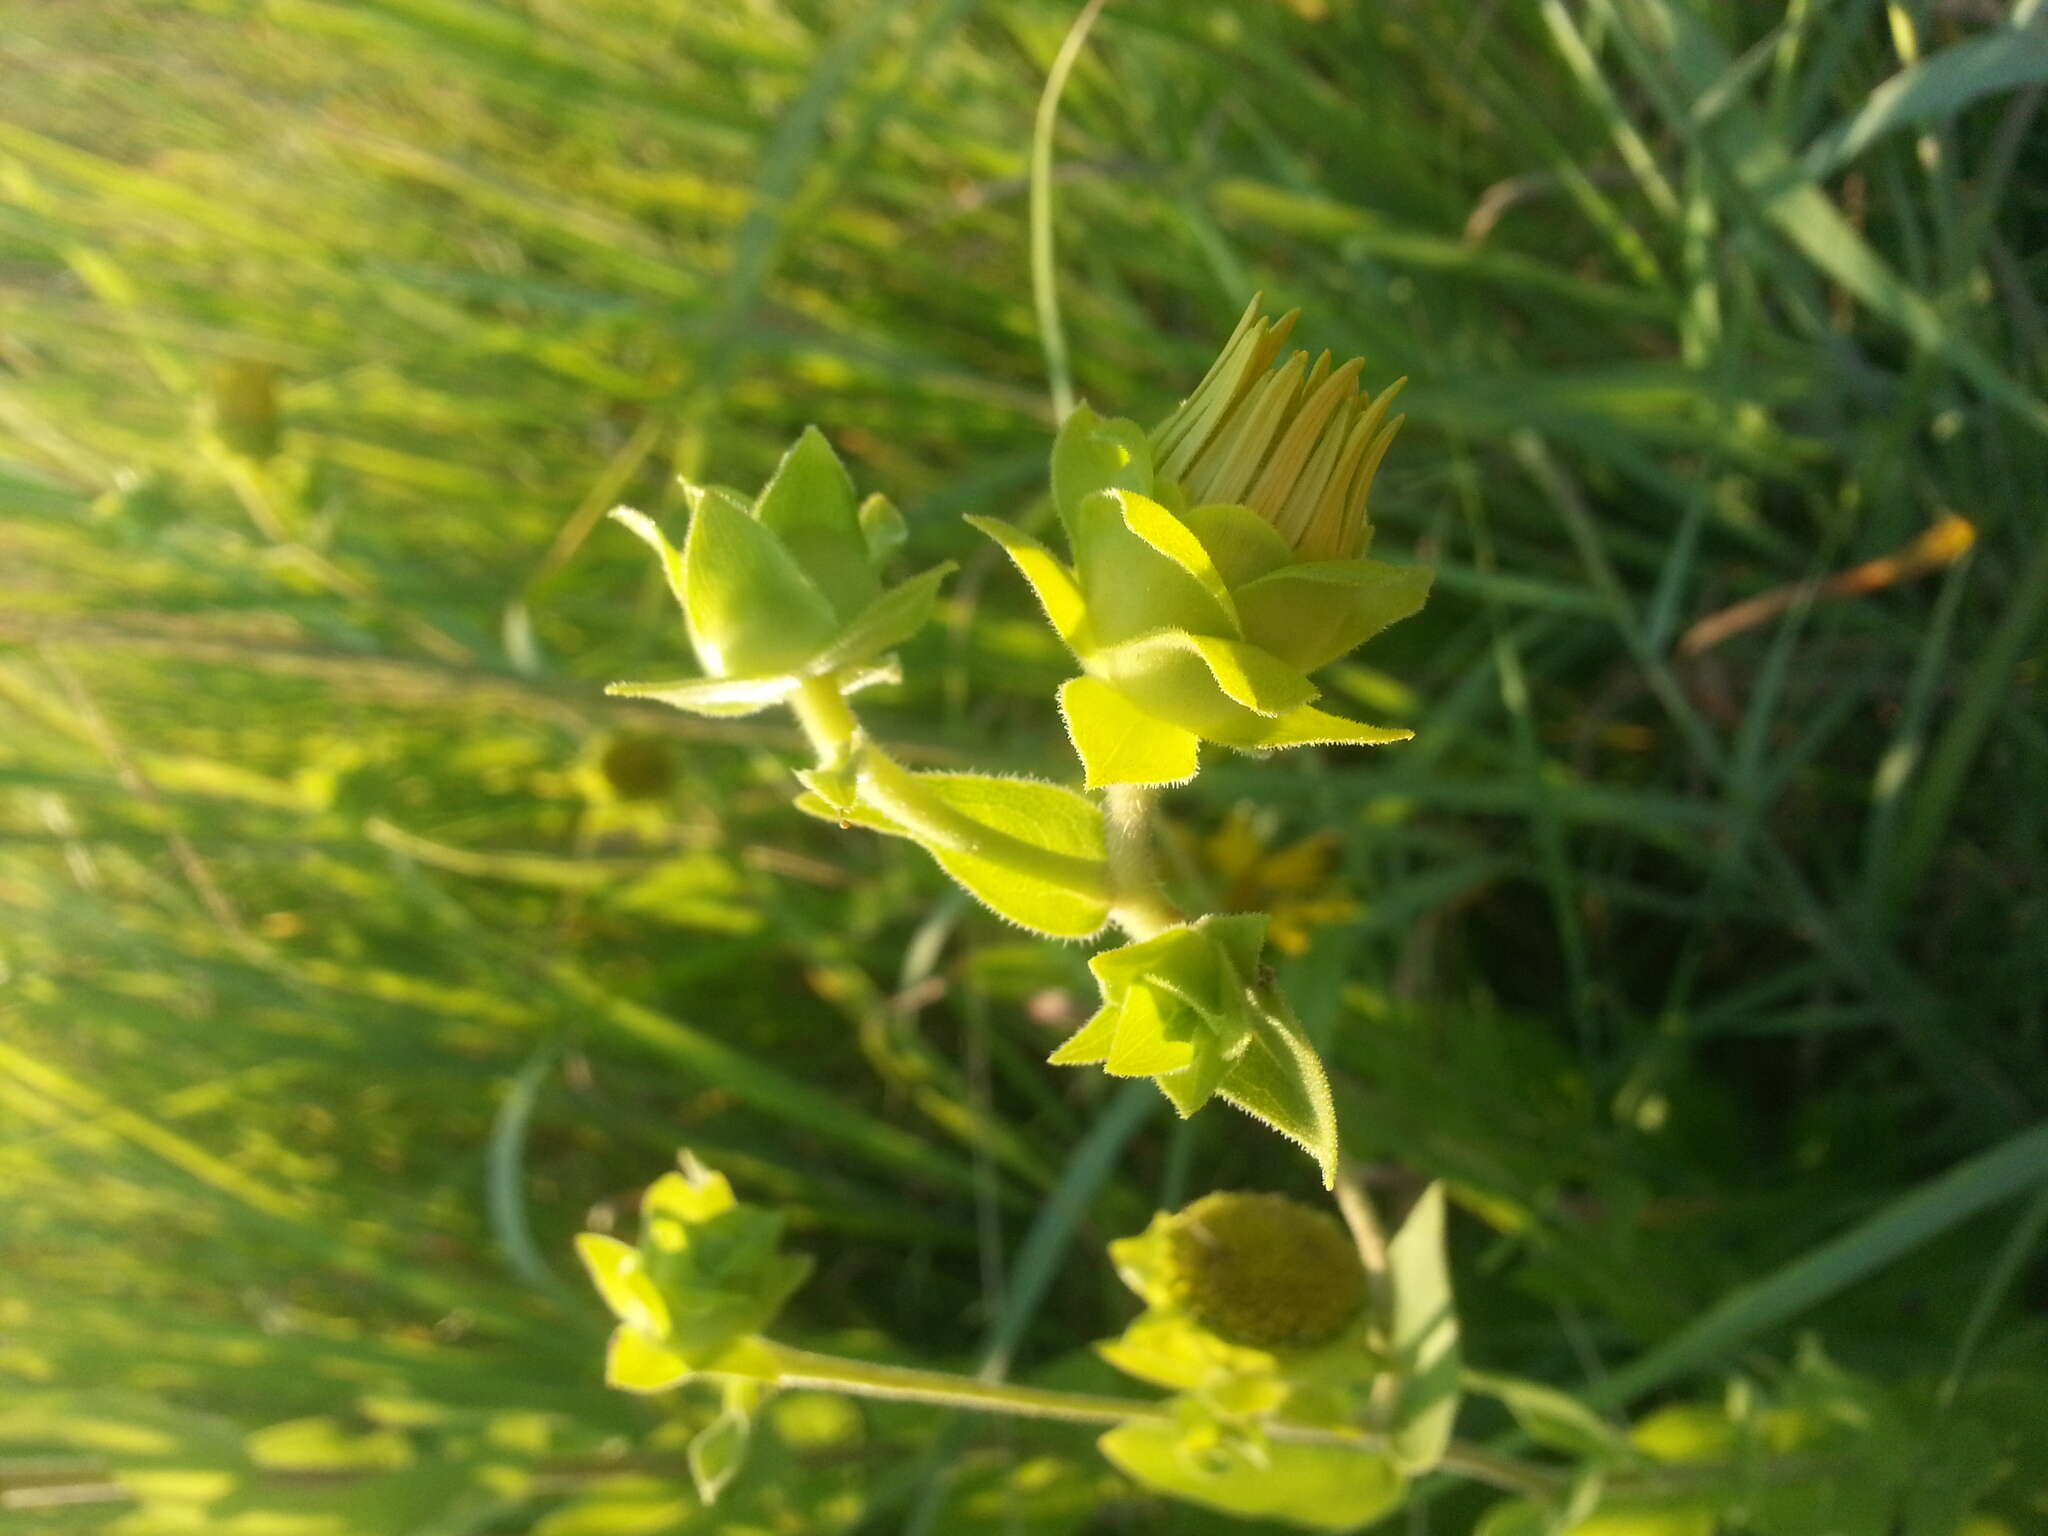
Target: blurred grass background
[355,951]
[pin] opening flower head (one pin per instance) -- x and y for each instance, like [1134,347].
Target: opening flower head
[1297,442]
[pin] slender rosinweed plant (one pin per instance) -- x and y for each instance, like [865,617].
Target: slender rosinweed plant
[1312,1365]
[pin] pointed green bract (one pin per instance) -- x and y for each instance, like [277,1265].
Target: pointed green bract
[809,505]
[1051,582]
[621,1278]
[749,607]
[1132,586]
[1312,613]
[633,1362]
[1309,726]
[1120,744]
[1317,1487]
[1094,454]
[1280,1080]
[1242,544]
[886,623]
[883,528]
[1222,690]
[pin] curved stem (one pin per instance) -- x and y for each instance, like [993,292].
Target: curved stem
[828,720]
[805,1369]
[1138,903]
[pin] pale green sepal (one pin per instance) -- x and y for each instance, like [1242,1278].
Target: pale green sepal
[1090,1043]
[1243,544]
[718,697]
[1177,541]
[1131,585]
[1121,744]
[621,1278]
[1148,1041]
[749,608]
[809,504]
[1051,581]
[1279,1079]
[885,623]
[1312,613]
[648,532]
[635,1363]
[1318,1487]
[1309,727]
[1094,453]
[1422,1336]
[1222,690]
[883,527]
[1243,937]
[1180,959]
[1188,1090]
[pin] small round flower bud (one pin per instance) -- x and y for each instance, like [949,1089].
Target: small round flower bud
[1264,1271]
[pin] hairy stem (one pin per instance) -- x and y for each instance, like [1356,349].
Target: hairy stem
[1138,903]
[821,709]
[802,1368]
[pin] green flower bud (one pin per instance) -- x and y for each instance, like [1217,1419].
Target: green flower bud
[785,588]
[1261,1270]
[1215,562]
[706,1275]
[1175,1008]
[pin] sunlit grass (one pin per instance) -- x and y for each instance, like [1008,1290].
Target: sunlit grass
[339,982]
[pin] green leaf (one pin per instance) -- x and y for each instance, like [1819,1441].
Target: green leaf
[1051,581]
[1118,743]
[633,1362]
[717,1452]
[1312,613]
[1422,1335]
[985,831]
[718,697]
[621,1277]
[1279,1079]
[1938,86]
[885,623]
[1322,1488]
[1137,577]
[809,505]
[1094,454]
[1554,1418]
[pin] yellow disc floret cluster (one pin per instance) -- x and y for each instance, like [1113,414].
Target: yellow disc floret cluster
[1264,1271]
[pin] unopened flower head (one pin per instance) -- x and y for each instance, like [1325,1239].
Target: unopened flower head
[1263,1270]
[1298,443]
